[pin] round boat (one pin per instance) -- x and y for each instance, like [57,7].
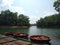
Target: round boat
[40,39]
[8,33]
[20,35]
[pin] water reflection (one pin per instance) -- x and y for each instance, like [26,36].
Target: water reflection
[53,33]
[41,43]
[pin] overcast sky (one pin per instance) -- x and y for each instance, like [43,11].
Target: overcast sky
[35,9]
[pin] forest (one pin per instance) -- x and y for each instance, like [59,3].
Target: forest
[8,18]
[51,21]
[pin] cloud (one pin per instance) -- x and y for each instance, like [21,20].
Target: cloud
[17,9]
[33,14]
[47,13]
[8,4]
[33,19]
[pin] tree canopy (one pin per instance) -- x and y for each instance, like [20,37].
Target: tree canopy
[57,5]
[51,21]
[23,20]
[9,18]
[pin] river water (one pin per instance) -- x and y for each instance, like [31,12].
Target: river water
[53,33]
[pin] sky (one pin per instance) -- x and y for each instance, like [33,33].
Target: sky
[35,9]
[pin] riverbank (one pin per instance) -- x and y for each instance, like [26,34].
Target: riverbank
[14,26]
[53,33]
[5,40]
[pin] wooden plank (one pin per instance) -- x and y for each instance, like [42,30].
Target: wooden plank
[10,43]
[2,36]
[9,39]
[21,42]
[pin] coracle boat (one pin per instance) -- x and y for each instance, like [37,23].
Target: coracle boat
[40,39]
[20,35]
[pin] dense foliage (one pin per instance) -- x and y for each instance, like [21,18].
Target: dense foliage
[23,20]
[49,21]
[8,18]
[57,5]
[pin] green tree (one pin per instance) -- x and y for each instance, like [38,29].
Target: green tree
[57,5]
[8,18]
[23,20]
[49,21]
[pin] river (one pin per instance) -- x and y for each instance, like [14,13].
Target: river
[53,33]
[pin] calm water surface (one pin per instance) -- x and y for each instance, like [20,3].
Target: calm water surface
[53,33]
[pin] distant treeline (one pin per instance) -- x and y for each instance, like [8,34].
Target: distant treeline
[8,18]
[49,21]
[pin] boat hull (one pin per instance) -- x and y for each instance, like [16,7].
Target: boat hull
[21,35]
[43,39]
[9,33]
[40,41]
